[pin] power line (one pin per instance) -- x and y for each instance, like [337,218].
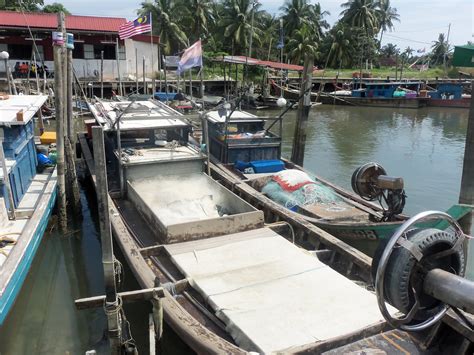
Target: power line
[407,39]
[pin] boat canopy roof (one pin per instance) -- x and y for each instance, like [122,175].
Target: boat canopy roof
[237,116]
[136,115]
[29,104]
[394,83]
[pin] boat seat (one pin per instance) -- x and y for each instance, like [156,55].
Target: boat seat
[271,294]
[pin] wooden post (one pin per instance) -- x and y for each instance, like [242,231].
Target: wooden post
[225,81]
[40,122]
[59,104]
[136,69]
[166,78]
[38,87]
[299,140]
[159,63]
[145,89]
[467,181]
[101,74]
[69,76]
[205,131]
[191,83]
[111,299]
[151,334]
[6,179]
[7,73]
[117,54]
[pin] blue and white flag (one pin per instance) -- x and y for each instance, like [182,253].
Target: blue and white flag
[281,42]
[192,57]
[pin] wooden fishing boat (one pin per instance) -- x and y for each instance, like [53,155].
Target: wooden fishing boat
[355,219]
[231,283]
[27,197]
[372,95]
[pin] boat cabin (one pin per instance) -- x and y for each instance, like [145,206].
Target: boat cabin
[161,173]
[17,135]
[242,137]
[447,91]
[388,90]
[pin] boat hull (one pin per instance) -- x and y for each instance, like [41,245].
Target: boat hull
[15,283]
[455,103]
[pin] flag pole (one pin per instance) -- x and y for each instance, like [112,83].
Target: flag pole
[152,62]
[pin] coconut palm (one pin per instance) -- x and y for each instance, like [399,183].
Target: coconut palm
[439,49]
[165,23]
[389,50]
[199,15]
[340,50]
[386,16]
[303,42]
[236,23]
[295,14]
[362,14]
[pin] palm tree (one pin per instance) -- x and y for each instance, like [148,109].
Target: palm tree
[236,23]
[439,49]
[386,16]
[389,50]
[200,14]
[303,42]
[316,19]
[164,15]
[295,14]
[362,14]
[340,50]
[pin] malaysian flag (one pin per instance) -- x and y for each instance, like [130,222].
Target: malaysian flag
[140,25]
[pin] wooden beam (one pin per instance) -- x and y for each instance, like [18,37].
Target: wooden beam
[151,251]
[130,296]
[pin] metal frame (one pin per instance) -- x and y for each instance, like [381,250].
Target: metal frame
[379,279]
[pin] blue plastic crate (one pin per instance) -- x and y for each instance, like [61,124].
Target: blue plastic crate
[267,166]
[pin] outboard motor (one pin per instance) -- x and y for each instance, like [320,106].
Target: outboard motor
[371,182]
[420,273]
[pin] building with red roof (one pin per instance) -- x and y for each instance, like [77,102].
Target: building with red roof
[93,35]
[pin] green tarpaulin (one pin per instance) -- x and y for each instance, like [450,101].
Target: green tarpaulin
[463,56]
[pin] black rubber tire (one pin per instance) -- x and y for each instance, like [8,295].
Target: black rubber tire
[402,267]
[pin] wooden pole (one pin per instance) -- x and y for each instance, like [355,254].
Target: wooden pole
[225,81]
[7,73]
[145,89]
[159,64]
[59,105]
[6,179]
[40,122]
[136,69]
[69,76]
[467,181]
[299,141]
[205,131]
[153,81]
[101,74]
[191,83]
[38,87]
[166,78]
[117,55]
[111,299]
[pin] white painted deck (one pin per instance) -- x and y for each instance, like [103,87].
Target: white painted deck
[13,229]
[30,104]
[271,294]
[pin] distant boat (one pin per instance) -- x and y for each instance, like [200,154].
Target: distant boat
[381,94]
[27,197]
[449,95]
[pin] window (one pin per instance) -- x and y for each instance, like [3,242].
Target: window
[78,51]
[20,51]
[109,51]
[88,51]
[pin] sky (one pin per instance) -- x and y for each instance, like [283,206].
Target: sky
[421,20]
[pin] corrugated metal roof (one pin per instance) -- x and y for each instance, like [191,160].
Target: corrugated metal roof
[74,23]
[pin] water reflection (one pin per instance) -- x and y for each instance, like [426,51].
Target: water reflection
[44,319]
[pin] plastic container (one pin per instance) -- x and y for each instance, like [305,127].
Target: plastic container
[267,166]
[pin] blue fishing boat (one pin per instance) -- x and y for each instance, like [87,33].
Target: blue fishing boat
[27,195]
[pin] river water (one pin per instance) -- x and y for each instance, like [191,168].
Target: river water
[424,146]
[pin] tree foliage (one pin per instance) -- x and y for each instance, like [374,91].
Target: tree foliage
[27,5]
[55,7]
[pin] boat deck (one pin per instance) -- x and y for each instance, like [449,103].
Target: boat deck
[12,230]
[274,295]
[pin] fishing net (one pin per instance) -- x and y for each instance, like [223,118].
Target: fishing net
[291,188]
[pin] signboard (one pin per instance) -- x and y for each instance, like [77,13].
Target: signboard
[58,39]
[70,41]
